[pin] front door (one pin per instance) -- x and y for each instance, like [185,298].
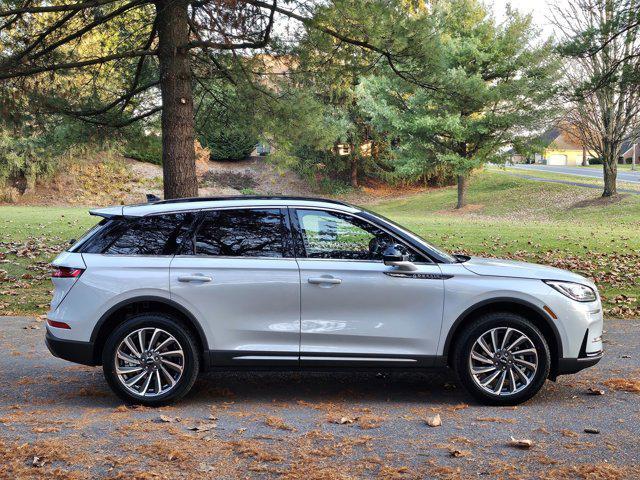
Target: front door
[240,279]
[356,310]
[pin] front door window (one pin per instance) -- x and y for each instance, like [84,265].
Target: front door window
[338,236]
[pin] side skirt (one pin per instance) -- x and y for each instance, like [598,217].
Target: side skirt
[260,360]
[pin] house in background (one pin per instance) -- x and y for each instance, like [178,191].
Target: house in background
[559,148]
[628,151]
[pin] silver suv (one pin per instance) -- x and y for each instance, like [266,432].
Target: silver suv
[157,293]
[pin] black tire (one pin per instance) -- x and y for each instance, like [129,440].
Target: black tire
[186,340]
[468,337]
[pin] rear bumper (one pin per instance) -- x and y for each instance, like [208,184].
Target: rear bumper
[71,350]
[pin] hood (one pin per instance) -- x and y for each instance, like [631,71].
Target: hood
[497,267]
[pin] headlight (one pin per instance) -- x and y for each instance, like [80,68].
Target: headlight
[575,291]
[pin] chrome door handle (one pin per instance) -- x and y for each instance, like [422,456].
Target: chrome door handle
[194,278]
[324,280]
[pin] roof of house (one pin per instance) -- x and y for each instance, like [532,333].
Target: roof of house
[559,139]
[550,135]
[626,147]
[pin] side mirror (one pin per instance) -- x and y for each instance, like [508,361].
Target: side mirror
[393,257]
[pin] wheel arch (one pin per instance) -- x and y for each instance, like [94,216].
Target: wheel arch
[532,312]
[123,310]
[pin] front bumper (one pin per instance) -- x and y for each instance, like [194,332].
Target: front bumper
[585,358]
[71,350]
[568,366]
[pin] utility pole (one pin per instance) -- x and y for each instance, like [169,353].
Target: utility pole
[633,158]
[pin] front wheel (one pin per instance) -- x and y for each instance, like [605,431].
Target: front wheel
[150,359]
[502,359]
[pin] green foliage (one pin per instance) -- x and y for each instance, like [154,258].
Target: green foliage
[234,143]
[305,131]
[487,86]
[225,122]
[146,148]
[321,94]
[610,35]
[24,160]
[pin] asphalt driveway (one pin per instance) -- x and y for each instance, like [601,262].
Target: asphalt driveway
[623,175]
[59,420]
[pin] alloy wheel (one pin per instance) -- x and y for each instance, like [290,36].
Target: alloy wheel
[149,362]
[503,361]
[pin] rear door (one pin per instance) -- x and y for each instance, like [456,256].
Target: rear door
[240,279]
[129,257]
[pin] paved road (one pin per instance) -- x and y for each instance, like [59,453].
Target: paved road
[568,182]
[626,176]
[269,425]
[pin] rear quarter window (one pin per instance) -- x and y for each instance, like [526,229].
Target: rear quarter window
[152,235]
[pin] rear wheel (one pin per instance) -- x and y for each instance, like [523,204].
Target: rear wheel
[151,359]
[502,359]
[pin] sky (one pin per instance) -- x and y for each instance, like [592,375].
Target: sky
[539,8]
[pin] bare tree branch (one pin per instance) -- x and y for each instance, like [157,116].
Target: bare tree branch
[102,110]
[55,8]
[124,123]
[74,65]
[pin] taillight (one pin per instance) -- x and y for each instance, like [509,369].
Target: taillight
[66,272]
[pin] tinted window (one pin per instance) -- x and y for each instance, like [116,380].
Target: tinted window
[242,233]
[343,237]
[153,235]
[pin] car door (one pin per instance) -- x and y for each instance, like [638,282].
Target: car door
[240,278]
[356,310]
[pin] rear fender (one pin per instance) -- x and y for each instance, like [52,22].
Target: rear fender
[62,286]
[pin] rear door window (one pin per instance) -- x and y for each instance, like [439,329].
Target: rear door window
[152,235]
[245,232]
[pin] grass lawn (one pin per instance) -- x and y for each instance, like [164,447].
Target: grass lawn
[555,224]
[561,225]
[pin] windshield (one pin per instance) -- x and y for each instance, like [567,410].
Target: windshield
[435,251]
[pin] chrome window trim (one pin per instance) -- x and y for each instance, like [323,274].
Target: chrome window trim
[227,257]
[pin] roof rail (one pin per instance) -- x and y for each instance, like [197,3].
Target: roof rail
[250,197]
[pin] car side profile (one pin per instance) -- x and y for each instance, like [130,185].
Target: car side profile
[157,293]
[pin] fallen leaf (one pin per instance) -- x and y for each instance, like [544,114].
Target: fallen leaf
[167,419]
[523,443]
[595,391]
[203,427]
[203,467]
[347,420]
[626,385]
[434,421]
[459,453]
[496,419]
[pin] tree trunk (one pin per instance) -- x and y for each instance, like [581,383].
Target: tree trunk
[178,154]
[354,170]
[463,181]
[610,170]
[610,174]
